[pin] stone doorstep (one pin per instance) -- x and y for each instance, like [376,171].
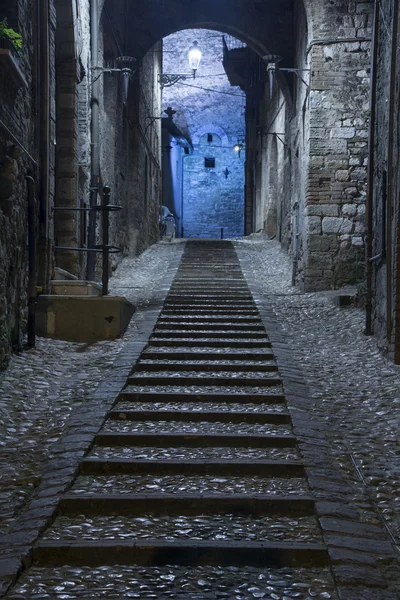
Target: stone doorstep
[82,318]
[76,287]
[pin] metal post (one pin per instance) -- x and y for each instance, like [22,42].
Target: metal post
[31,262]
[105,214]
[95,180]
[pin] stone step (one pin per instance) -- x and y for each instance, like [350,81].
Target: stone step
[195,366]
[172,334]
[207,325]
[206,356]
[279,418]
[200,380]
[240,318]
[262,468]
[208,342]
[166,440]
[186,504]
[133,396]
[185,553]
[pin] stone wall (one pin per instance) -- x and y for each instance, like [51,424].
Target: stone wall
[130,139]
[322,112]
[16,144]
[384,281]
[334,225]
[213,196]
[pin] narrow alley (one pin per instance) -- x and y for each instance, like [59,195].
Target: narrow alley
[199,299]
[349,454]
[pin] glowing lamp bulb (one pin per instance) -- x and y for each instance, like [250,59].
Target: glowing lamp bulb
[194,57]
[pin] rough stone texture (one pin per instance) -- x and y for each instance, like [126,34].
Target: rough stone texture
[210,199]
[384,193]
[50,386]
[16,114]
[352,392]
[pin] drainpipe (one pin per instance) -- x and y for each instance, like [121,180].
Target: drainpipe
[95,179]
[390,152]
[369,201]
[44,138]
[31,263]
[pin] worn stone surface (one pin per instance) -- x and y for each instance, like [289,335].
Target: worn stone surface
[45,387]
[352,390]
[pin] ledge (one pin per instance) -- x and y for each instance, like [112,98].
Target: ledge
[9,61]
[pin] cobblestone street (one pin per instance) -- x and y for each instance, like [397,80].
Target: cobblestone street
[355,394]
[42,386]
[355,389]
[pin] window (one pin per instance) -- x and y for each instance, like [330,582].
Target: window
[209,137]
[209,163]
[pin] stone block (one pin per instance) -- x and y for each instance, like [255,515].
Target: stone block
[322,210]
[331,224]
[313,225]
[349,210]
[75,288]
[82,318]
[343,132]
[342,175]
[346,226]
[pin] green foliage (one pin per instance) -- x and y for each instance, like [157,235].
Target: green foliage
[8,33]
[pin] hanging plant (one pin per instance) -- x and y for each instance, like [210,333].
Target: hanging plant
[7,33]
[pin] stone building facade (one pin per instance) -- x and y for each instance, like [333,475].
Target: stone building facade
[306,145]
[18,158]
[382,274]
[46,101]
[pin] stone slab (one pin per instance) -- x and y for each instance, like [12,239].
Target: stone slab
[82,318]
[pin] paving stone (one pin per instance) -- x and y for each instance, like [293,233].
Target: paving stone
[356,575]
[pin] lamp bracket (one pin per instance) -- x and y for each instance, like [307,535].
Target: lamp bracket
[169,79]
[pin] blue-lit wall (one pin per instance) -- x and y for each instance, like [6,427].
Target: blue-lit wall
[213,199]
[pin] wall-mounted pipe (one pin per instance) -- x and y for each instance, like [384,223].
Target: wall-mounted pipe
[44,139]
[31,263]
[369,202]
[95,178]
[390,173]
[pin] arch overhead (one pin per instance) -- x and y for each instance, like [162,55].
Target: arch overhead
[265,26]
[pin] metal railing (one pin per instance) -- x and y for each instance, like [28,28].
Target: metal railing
[105,248]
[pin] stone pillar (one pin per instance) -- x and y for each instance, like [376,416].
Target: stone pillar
[333,234]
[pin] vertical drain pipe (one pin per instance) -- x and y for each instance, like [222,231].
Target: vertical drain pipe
[94,130]
[392,93]
[31,263]
[369,201]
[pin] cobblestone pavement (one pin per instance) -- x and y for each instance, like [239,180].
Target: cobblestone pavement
[42,386]
[355,389]
[355,392]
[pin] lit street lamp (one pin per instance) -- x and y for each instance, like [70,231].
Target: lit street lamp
[238,148]
[194,56]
